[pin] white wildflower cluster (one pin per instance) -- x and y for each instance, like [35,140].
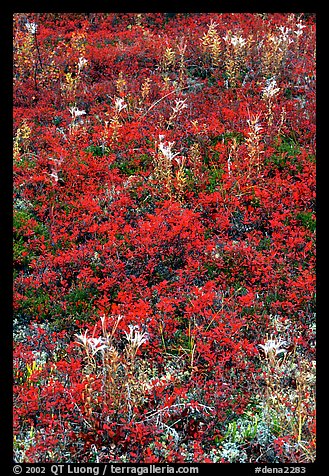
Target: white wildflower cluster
[119,104]
[180,104]
[283,39]
[31,27]
[82,63]
[76,113]
[95,344]
[274,347]
[285,32]
[255,125]
[235,40]
[135,337]
[270,89]
[166,149]
[299,30]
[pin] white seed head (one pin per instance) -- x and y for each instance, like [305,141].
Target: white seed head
[166,149]
[179,105]
[273,347]
[83,338]
[82,62]
[119,104]
[75,112]
[96,344]
[300,28]
[238,41]
[270,89]
[135,337]
[235,40]
[31,27]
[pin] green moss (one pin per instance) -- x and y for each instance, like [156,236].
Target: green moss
[212,270]
[19,250]
[21,219]
[214,176]
[306,220]
[132,165]
[97,150]
[286,156]
[22,254]
[80,300]
[264,244]
[226,137]
[25,162]
[36,304]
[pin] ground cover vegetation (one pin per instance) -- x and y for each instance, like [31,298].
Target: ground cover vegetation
[164,237]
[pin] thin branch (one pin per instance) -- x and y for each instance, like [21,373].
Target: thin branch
[163,97]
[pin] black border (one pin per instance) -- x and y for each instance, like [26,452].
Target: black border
[6,211]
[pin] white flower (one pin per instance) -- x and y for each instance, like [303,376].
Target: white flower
[272,347]
[179,105]
[299,30]
[235,40]
[95,343]
[83,338]
[285,34]
[166,149]
[119,104]
[82,62]
[238,40]
[31,27]
[75,112]
[270,89]
[135,337]
[284,30]
[103,317]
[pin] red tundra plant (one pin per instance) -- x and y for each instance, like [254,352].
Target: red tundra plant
[164,237]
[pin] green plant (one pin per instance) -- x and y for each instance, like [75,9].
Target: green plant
[286,155]
[307,220]
[289,400]
[214,176]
